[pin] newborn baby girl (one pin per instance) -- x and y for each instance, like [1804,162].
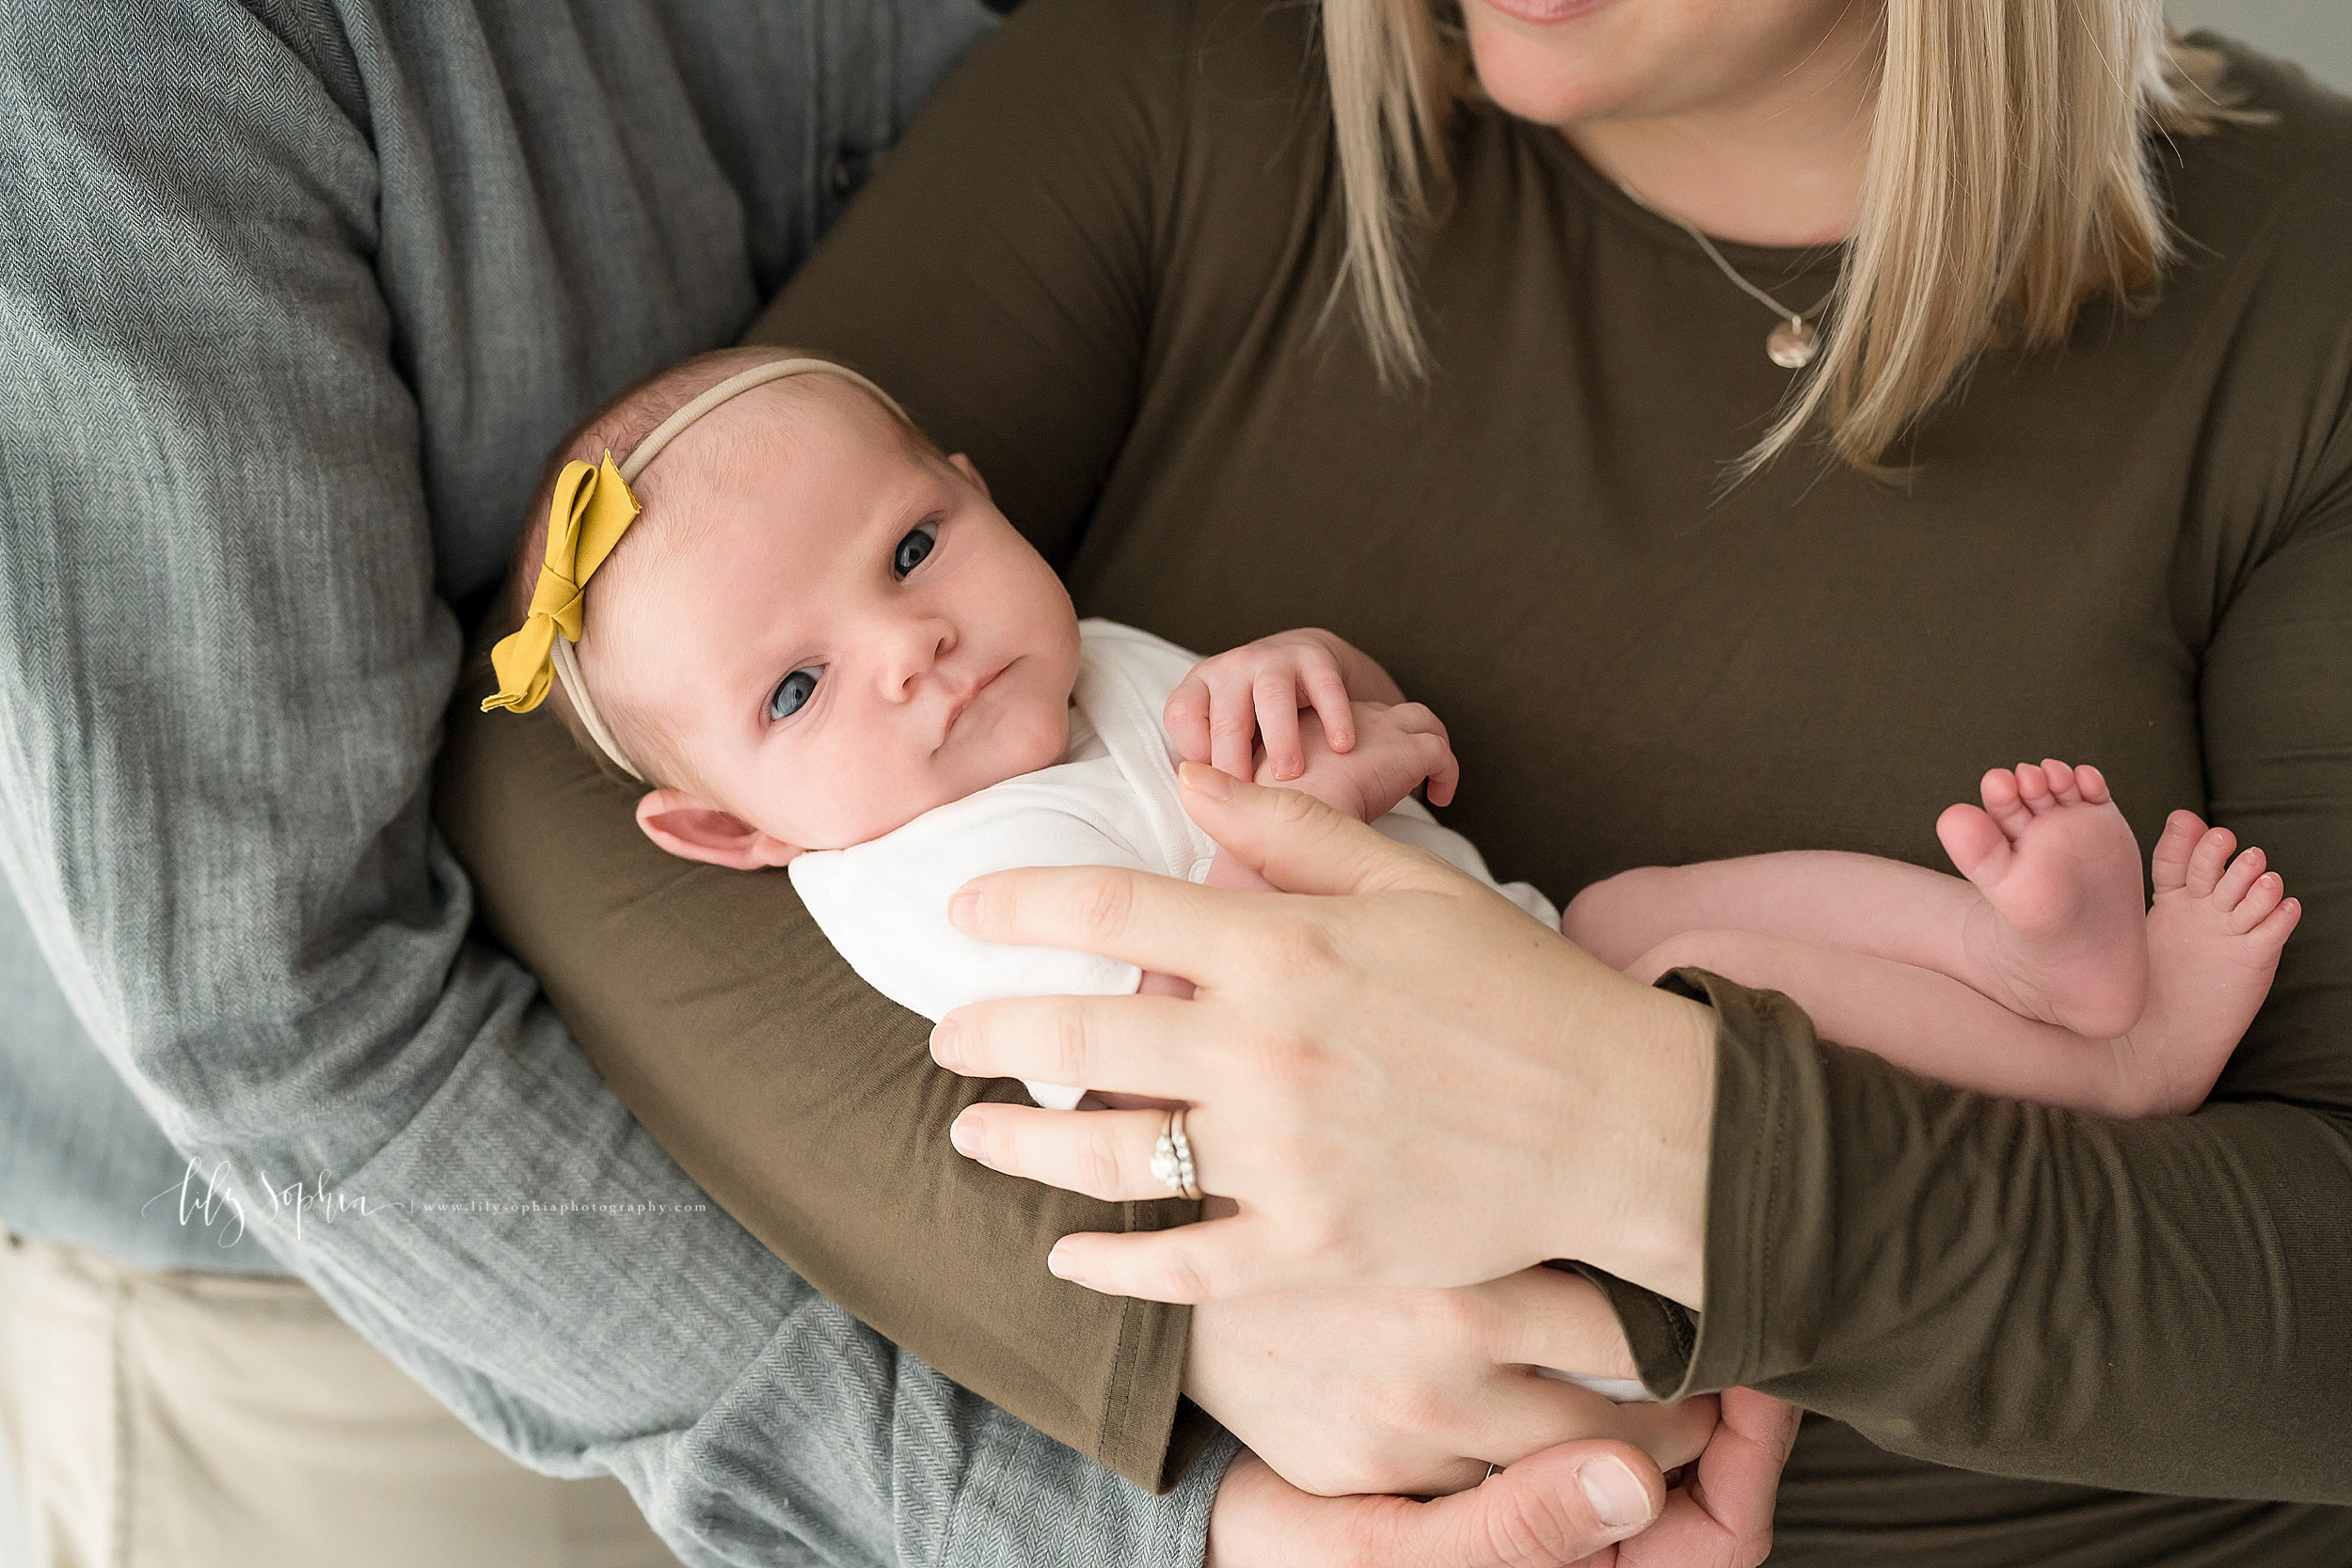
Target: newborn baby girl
[824,648]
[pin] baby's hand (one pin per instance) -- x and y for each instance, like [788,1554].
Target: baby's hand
[1222,709]
[1397,746]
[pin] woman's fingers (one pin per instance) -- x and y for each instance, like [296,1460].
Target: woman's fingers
[1521,1413]
[1155,923]
[1127,1044]
[1299,843]
[1212,1260]
[1546,1316]
[1672,1434]
[1104,1155]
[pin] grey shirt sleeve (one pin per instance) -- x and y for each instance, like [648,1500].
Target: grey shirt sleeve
[222,666]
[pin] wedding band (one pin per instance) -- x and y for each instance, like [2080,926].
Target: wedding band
[1172,1157]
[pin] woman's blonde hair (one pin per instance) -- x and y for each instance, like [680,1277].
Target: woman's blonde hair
[2009,180]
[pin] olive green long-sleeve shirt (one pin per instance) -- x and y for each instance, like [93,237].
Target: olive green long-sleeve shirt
[1099,265]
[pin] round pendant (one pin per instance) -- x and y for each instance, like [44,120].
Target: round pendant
[1792,344]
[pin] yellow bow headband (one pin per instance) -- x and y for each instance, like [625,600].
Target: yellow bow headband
[592,508]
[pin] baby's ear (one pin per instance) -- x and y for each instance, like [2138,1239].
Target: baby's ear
[684,825]
[970,471]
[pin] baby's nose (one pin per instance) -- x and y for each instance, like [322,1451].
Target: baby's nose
[915,652]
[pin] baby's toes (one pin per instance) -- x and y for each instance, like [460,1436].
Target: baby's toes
[2262,896]
[2239,877]
[2169,867]
[1998,789]
[2281,923]
[2208,859]
[2033,788]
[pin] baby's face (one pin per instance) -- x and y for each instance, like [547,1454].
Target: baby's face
[847,633]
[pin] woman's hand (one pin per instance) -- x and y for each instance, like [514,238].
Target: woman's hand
[1366,1390]
[1412,1084]
[1584,1505]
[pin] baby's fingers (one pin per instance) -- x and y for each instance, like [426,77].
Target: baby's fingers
[1277,699]
[1327,694]
[1233,729]
[1445,774]
[1186,717]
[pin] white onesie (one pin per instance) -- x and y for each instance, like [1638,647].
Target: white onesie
[1111,800]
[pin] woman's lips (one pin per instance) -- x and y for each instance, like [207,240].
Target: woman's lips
[1542,11]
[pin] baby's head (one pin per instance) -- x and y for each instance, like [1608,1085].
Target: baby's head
[818,628]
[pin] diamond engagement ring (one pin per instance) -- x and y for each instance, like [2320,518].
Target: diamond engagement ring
[1172,1157]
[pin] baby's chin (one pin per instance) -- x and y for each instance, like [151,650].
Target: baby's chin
[1021,739]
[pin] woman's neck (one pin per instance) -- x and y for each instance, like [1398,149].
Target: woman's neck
[1777,164]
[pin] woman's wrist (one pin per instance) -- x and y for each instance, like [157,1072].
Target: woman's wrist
[1641,1136]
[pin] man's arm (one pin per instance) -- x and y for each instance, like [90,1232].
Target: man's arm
[225,669]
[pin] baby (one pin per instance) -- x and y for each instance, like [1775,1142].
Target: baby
[824,648]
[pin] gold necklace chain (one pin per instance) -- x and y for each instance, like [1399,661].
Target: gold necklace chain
[1793,343]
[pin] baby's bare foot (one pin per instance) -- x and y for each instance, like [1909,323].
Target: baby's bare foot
[2213,937]
[2061,930]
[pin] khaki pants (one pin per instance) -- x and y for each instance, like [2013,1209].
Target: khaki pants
[182,1419]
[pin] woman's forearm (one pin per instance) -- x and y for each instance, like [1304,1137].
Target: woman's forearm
[2151,1305]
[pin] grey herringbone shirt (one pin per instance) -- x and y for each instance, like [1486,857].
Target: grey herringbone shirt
[293,297]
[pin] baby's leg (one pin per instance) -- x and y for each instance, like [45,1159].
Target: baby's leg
[2212,939]
[1890,909]
[2048,924]
[1913,1016]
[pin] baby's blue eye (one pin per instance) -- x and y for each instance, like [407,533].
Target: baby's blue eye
[793,692]
[913,549]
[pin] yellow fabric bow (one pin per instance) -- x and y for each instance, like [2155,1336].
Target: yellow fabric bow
[592,508]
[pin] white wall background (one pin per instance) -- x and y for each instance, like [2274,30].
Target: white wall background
[2317,33]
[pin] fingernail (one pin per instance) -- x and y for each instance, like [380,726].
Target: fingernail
[1211,782]
[1058,1261]
[944,1049]
[963,909]
[1616,1497]
[965,1135]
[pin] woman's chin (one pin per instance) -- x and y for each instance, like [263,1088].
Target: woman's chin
[1544,72]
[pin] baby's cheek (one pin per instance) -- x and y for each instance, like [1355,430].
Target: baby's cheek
[1048,737]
